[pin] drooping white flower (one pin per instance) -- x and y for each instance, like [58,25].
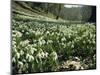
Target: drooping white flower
[20,64]
[18,55]
[50,41]
[37,33]
[47,32]
[27,56]
[24,43]
[13,59]
[63,39]
[33,49]
[21,52]
[46,54]
[54,55]
[16,34]
[42,54]
[31,58]
[39,55]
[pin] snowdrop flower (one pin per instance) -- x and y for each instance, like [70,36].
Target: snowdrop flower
[20,26]
[63,44]
[18,55]
[42,54]
[27,56]
[40,38]
[63,39]
[50,41]
[31,58]
[14,39]
[13,42]
[39,55]
[46,54]
[24,43]
[13,59]
[52,33]
[34,45]
[47,32]
[54,55]
[27,33]
[17,34]
[37,33]
[41,42]
[15,50]
[21,52]
[20,64]
[33,49]
[72,46]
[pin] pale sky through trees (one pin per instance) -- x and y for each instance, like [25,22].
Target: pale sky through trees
[70,6]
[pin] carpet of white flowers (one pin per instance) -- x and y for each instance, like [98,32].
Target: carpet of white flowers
[45,46]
